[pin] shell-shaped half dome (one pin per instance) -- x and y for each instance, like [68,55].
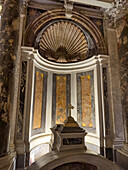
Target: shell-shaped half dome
[63,41]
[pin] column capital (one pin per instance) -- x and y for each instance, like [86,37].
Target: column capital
[118,11]
[24,6]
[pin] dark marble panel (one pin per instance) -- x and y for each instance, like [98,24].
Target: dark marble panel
[106,104]
[122,160]
[21,101]
[99,23]
[109,153]
[32,14]
[4,130]
[123,62]
[72,141]
[20,161]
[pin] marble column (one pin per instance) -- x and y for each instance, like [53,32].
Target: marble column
[122,35]
[123,62]
[117,131]
[21,135]
[8,60]
[118,18]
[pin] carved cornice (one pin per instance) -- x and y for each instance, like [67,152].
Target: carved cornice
[118,11]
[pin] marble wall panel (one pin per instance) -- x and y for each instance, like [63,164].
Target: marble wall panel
[32,14]
[21,101]
[99,23]
[61,97]
[38,151]
[39,102]
[85,100]
[106,104]
[123,63]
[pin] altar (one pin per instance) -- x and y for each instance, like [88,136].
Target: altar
[68,150]
[69,135]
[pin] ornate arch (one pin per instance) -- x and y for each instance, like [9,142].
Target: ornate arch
[79,20]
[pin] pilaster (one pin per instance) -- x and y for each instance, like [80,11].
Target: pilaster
[117,16]
[8,70]
[115,93]
[10,52]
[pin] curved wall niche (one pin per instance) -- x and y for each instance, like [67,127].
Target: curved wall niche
[63,41]
[60,39]
[82,85]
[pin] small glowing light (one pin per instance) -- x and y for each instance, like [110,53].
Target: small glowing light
[0,8]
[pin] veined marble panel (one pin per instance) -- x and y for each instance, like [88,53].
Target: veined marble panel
[106,104]
[123,63]
[21,101]
[61,97]
[39,102]
[85,100]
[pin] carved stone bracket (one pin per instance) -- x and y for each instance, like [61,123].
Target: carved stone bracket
[68,7]
[118,10]
[24,6]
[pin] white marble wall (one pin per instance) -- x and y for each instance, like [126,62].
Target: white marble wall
[95,63]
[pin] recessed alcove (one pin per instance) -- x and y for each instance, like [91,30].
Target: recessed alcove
[51,87]
[76,166]
[55,54]
[68,159]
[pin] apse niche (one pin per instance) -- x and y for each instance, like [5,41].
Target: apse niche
[65,65]
[51,87]
[63,41]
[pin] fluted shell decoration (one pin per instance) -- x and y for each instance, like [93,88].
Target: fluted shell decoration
[63,41]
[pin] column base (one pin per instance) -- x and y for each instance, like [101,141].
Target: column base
[8,161]
[20,161]
[116,144]
[125,148]
[122,157]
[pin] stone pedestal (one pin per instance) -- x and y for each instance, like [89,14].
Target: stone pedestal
[8,161]
[68,136]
